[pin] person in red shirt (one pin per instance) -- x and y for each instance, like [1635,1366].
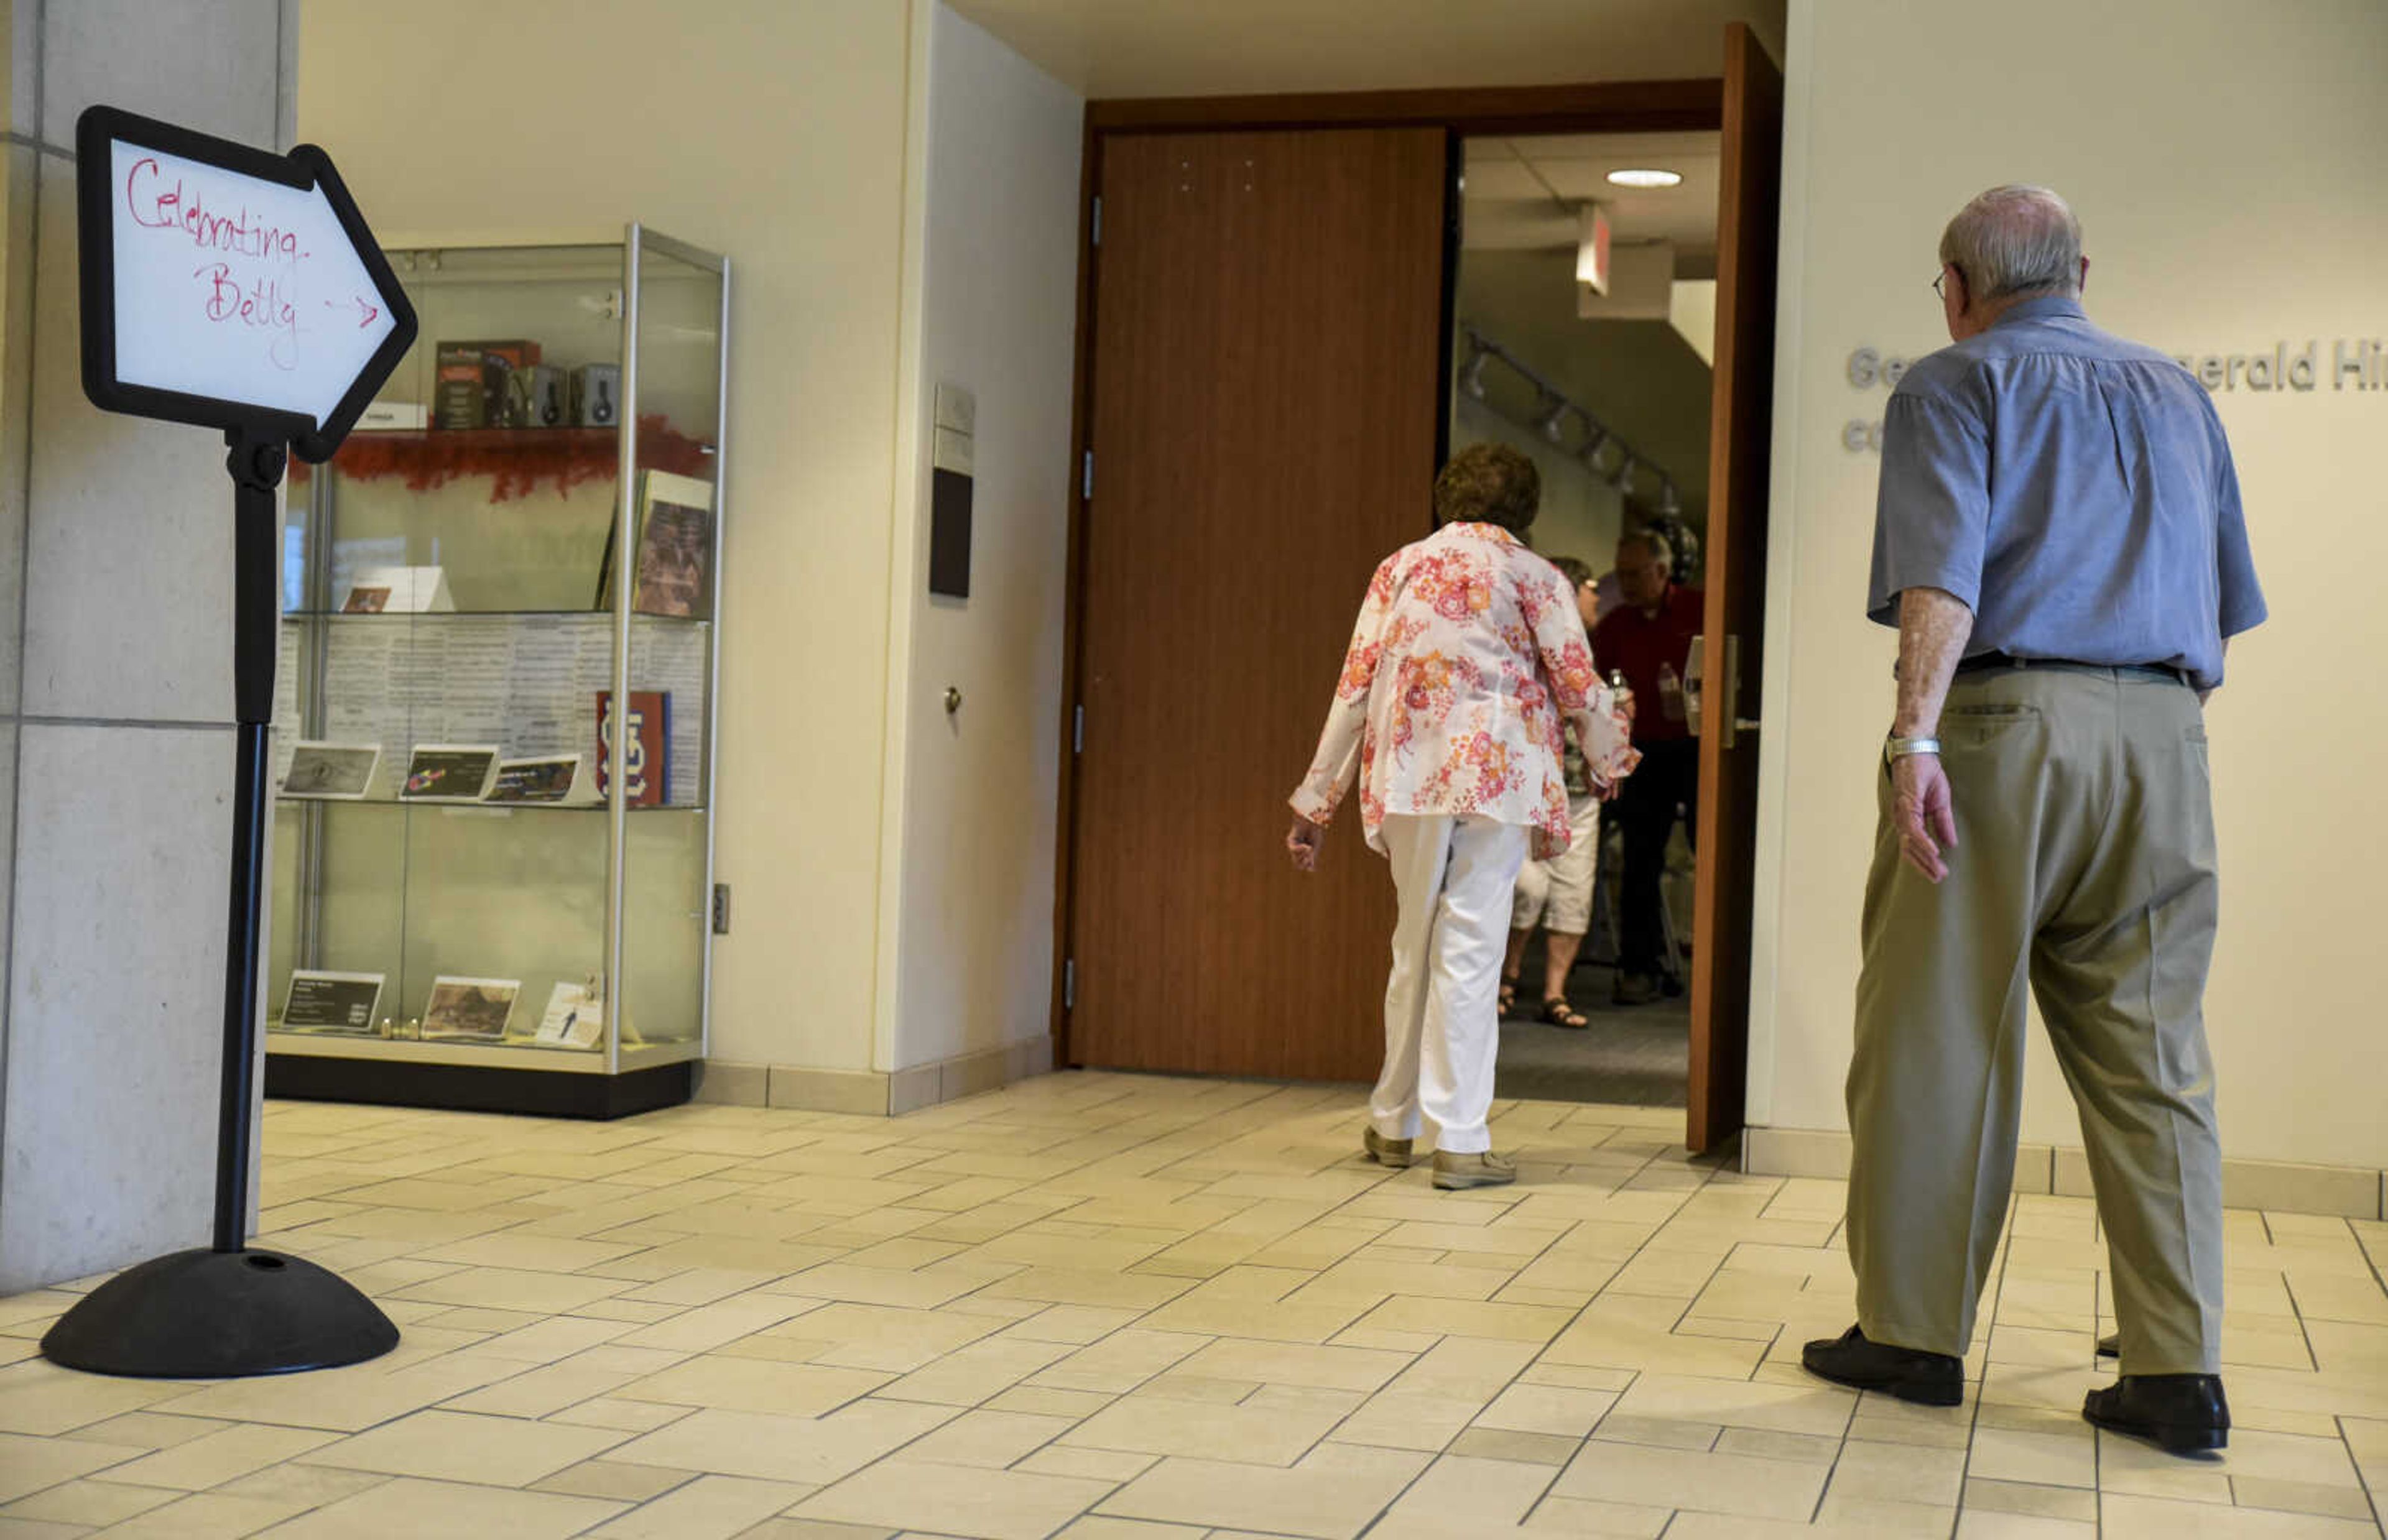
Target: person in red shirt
[1648,638]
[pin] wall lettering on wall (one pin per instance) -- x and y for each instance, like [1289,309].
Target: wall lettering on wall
[2354,363]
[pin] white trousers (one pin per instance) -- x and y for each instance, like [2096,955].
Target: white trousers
[1442,1022]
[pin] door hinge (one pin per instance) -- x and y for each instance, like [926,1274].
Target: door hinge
[1099,218]
[1078,730]
[1069,984]
[721,909]
[1086,477]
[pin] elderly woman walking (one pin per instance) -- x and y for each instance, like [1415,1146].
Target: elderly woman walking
[1467,650]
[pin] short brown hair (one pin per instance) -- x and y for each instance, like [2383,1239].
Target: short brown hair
[1489,483]
[1576,573]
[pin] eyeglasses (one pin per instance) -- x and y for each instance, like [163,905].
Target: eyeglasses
[1940,283]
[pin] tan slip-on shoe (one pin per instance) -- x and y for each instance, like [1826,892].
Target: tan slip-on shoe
[1456,1173]
[1393,1153]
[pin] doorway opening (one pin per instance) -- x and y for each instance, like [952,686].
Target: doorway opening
[1583,314]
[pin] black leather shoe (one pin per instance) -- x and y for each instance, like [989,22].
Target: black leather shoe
[1926,1378]
[2180,1414]
[2111,1348]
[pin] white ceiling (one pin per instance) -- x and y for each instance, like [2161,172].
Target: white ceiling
[1116,48]
[1523,193]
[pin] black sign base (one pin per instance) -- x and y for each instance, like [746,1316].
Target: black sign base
[220,1315]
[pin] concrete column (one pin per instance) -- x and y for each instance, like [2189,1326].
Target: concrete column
[116,743]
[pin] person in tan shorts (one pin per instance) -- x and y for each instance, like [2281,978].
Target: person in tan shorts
[2060,542]
[1556,895]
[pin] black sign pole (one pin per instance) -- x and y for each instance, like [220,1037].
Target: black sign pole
[229,1311]
[256,466]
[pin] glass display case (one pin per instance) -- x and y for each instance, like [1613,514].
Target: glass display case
[494,732]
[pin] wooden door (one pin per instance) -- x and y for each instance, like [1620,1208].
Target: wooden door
[1739,445]
[1264,395]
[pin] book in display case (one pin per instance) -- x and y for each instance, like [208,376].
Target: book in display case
[493,884]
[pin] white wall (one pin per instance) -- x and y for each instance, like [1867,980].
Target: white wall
[2226,162]
[115,740]
[776,135]
[972,945]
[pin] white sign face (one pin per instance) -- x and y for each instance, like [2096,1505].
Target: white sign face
[237,288]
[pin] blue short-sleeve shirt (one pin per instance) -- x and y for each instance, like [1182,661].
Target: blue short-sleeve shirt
[2074,490]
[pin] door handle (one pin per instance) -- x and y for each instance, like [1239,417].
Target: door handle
[1730,724]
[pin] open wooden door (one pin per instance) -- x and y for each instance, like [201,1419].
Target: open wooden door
[1739,445]
[1263,403]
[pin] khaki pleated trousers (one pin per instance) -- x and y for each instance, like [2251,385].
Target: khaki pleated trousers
[2085,870]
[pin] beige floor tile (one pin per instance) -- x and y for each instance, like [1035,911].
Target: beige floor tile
[754,1384]
[1097,1527]
[37,1396]
[507,1249]
[221,1456]
[2330,1501]
[623,1484]
[343,1400]
[1698,1479]
[1576,1516]
[408,1509]
[1492,1494]
[150,1429]
[1102,1465]
[1810,1408]
[710,1507]
[1989,1524]
[206,1516]
[2075,1505]
[1547,1409]
[460,1446]
[989,1439]
[630,1417]
[1525,1448]
[1197,1430]
[2134,1517]
[1294,1364]
[944,1499]
[808,1451]
[1409,1419]
[979,1373]
[1526,1323]
[94,1503]
[1806,1448]
[882,1338]
[303,1485]
[28,1464]
[1315,1503]
[2035,1459]
[2282,1457]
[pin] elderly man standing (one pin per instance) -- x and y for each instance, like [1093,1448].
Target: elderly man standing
[2060,543]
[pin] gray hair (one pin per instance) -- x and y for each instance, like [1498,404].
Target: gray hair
[2015,242]
[1653,544]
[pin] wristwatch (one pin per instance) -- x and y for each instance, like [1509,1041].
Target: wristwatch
[1896,748]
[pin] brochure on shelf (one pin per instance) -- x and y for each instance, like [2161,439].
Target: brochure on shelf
[334,772]
[449,772]
[555,779]
[575,1018]
[399,591]
[470,1010]
[323,1002]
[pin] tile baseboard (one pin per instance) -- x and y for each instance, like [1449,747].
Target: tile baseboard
[872,1092]
[2281,1187]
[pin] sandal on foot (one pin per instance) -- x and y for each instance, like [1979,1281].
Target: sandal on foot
[1508,999]
[1559,1013]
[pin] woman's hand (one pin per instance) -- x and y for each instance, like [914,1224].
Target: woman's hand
[1305,841]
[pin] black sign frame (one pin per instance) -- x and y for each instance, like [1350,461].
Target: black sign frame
[305,166]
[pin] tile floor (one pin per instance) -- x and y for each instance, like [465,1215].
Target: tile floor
[1112,1308]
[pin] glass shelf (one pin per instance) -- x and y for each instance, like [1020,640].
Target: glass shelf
[438,616]
[428,805]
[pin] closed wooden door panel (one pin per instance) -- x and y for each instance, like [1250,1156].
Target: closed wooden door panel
[1736,621]
[1264,385]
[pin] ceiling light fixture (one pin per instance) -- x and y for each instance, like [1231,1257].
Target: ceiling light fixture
[1554,422]
[1622,477]
[1645,176]
[1668,500]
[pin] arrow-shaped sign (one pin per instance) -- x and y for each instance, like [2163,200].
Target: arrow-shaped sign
[229,287]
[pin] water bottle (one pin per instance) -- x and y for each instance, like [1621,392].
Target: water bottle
[1623,691]
[1670,692]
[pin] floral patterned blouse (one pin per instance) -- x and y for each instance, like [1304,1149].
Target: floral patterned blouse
[1468,648]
